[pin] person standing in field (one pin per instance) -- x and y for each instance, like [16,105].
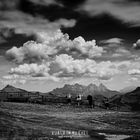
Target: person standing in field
[69,99]
[78,99]
[90,101]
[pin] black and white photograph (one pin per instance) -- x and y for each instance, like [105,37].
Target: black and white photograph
[69,69]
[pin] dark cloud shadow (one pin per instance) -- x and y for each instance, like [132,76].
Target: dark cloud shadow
[98,27]
[103,27]
[51,12]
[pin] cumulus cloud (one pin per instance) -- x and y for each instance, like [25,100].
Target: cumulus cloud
[61,41]
[33,70]
[51,57]
[30,52]
[50,44]
[89,48]
[63,67]
[68,65]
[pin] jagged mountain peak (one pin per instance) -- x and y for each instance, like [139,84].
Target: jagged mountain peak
[102,85]
[76,84]
[66,85]
[91,89]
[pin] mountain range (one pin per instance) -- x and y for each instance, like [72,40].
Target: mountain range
[128,101]
[91,89]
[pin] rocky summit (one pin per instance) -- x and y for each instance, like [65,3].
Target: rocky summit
[91,89]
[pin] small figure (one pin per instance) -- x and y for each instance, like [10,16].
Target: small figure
[79,98]
[90,101]
[69,99]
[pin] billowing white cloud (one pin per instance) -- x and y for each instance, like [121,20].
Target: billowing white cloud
[51,44]
[51,58]
[52,37]
[31,72]
[68,65]
[87,47]
[64,66]
[30,51]
[33,69]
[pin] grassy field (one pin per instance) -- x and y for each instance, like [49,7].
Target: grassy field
[19,121]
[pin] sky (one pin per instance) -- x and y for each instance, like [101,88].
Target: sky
[45,44]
